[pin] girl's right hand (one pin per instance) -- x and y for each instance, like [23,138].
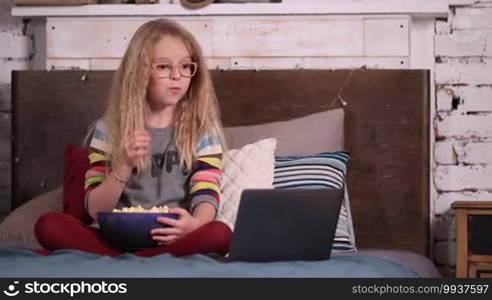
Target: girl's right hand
[137,146]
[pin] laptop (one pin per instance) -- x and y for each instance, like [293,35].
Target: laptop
[285,224]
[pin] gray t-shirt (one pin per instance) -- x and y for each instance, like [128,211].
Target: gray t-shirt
[165,183]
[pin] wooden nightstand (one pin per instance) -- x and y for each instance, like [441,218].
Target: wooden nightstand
[473,238]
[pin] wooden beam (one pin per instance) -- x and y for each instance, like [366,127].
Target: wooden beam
[418,8]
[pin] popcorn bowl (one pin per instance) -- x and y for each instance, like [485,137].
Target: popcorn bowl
[131,230]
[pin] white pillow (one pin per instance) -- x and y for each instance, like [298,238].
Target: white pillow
[250,167]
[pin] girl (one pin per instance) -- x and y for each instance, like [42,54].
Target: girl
[159,143]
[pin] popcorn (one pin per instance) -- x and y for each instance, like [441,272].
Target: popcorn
[140,209]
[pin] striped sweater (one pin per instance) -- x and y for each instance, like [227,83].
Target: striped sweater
[164,183]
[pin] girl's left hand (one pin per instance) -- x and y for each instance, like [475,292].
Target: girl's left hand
[185,224]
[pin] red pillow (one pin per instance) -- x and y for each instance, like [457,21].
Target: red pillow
[76,165]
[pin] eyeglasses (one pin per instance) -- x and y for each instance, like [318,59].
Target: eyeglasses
[164,70]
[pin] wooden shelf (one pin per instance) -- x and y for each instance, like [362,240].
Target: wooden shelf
[472,204]
[417,8]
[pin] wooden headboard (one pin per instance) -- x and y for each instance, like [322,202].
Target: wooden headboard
[386,132]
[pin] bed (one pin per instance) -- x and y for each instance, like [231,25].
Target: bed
[381,117]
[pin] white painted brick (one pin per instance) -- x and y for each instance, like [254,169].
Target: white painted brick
[472,98]
[445,253]
[5,7]
[8,23]
[475,153]
[458,178]
[6,67]
[5,97]
[472,18]
[464,43]
[476,126]
[444,99]
[445,227]
[443,27]
[15,46]
[476,99]
[11,25]
[444,153]
[445,199]
[457,71]
[452,152]
[461,2]
[433,193]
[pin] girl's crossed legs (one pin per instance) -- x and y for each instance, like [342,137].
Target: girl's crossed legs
[58,230]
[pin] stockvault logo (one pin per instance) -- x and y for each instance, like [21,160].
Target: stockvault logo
[11,290]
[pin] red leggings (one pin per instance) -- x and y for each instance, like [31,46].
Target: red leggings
[57,230]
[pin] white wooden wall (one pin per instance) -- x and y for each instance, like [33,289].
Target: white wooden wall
[245,42]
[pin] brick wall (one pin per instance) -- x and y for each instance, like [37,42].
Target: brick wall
[16,48]
[463,147]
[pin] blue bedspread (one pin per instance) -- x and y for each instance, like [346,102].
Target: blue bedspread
[73,263]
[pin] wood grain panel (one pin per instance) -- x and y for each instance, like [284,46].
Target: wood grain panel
[387,37]
[109,36]
[248,36]
[308,36]
[50,109]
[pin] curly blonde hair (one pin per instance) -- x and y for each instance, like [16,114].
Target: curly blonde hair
[197,113]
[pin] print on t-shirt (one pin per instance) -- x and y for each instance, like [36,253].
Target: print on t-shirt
[169,159]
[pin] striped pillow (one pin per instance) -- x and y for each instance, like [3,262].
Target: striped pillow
[323,170]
